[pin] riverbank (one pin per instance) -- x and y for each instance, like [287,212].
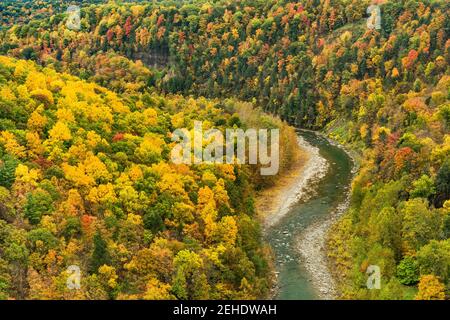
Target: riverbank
[269,201]
[293,186]
[298,214]
[297,184]
[313,246]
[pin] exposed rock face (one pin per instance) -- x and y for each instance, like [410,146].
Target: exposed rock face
[157,59]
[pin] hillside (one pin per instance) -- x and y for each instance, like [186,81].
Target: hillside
[85,180]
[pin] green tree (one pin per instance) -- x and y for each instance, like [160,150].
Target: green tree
[408,271]
[44,236]
[189,281]
[38,204]
[7,171]
[420,224]
[423,188]
[100,255]
[443,184]
[434,258]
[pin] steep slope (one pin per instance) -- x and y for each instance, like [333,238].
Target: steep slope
[86,181]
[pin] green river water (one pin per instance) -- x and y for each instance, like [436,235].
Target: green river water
[293,280]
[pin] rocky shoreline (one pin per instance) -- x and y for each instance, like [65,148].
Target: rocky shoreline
[301,188]
[312,244]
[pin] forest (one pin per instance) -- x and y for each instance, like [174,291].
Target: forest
[85,123]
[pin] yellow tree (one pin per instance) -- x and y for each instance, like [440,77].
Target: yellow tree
[157,290]
[60,132]
[8,140]
[430,288]
[207,211]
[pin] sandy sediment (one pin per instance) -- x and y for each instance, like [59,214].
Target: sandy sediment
[298,186]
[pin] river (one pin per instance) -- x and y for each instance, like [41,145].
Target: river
[300,263]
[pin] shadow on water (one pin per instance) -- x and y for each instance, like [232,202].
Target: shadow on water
[293,280]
